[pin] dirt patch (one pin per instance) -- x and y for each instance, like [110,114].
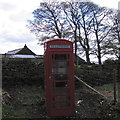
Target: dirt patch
[108,91]
[92,105]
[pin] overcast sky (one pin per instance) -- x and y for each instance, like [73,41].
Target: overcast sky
[13,20]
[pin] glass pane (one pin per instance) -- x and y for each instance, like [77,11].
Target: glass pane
[60,56]
[62,90]
[61,98]
[60,67]
[61,84]
[61,105]
[61,64]
[59,70]
[60,77]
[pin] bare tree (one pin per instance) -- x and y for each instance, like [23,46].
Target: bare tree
[114,36]
[79,19]
[48,21]
[84,27]
[71,13]
[101,27]
[84,23]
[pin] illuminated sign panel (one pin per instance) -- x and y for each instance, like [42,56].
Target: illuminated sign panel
[59,46]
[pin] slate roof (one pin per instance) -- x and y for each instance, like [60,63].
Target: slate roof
[23,51]
[14,51]
[26,56]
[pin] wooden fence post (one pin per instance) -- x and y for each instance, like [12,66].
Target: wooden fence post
[115,83]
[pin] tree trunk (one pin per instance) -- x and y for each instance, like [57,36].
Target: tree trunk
[87,48]
[99,54]
[98,48]
[75,37]
[87,56]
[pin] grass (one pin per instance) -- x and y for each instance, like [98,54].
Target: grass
[108,90]
[108,87]
[24,102]
[7,111]
[0,113]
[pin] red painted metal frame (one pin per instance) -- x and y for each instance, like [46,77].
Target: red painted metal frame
[49,89]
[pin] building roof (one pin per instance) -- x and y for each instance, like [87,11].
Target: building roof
[21,51]
[14,51]
[26,56]
[80,60]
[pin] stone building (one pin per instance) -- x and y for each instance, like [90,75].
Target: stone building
[24,52]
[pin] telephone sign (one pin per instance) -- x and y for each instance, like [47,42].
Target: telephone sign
[59,46]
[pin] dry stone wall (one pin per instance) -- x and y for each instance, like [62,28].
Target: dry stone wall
[20,71]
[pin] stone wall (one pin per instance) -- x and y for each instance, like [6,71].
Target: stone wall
[18,71]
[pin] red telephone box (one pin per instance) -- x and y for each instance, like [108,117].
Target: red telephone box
[59,78]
